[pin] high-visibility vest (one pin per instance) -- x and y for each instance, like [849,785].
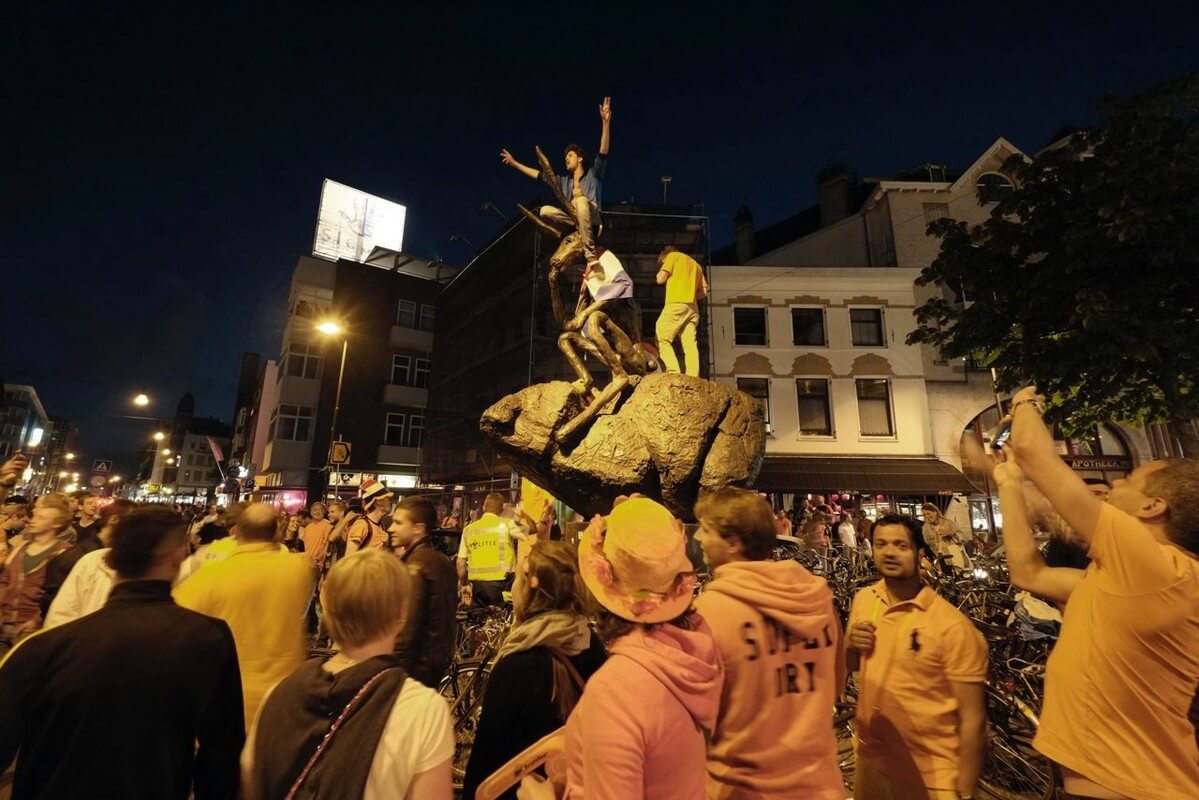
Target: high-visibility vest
[488,549]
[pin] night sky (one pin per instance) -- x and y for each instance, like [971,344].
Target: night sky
[164,162]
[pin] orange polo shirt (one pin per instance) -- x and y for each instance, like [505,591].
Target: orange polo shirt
[1125,672]
[907,713]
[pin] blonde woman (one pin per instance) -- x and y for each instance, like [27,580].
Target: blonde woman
[354,721]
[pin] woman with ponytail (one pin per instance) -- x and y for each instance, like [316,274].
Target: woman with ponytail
[540,670]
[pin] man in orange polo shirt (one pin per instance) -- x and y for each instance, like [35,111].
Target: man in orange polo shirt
[1122,684]
[922,667]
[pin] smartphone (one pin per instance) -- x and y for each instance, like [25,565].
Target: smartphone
[1002,435]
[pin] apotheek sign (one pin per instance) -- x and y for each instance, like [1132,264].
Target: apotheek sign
[1099,462]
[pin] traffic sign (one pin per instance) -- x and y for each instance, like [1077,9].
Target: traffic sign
[339,453]
[102,465]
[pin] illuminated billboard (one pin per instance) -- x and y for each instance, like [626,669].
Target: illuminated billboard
[351,223]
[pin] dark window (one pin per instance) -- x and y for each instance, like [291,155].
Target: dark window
[416,429]
[400,370]
[874,407]
[749,326]
[406,315]
[420,375]
[393,432]
[303,361]
[993,187]
[292,423]
[426,317]
[815,414]
[866,325]
[807,327]
[759,389]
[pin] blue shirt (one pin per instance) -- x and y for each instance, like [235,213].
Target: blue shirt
[592,182]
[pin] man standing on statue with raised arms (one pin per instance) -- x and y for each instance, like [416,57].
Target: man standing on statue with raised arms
[582,186]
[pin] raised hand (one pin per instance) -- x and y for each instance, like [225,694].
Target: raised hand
[11,472]
[605,110]
[507,158]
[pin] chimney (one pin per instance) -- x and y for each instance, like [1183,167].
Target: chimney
[832,188]
[744,224]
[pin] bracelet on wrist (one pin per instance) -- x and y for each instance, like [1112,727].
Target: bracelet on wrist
[1031,401]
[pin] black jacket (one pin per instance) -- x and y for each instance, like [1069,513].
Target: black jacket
[141,699]
[518,709]
[61,565]
[426,645]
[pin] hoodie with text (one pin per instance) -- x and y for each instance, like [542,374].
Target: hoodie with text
[780,640]
[640,729]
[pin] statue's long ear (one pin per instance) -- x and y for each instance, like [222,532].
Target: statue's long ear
[550,177]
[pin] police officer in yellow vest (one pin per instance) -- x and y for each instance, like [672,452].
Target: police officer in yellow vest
[486,554]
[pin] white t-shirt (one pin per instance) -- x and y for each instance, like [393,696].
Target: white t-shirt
[847,534]
[417,737]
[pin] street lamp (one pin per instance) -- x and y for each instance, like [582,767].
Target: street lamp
[141,400]
[69,456]
[159,436]
[166,451]
[170,461]
[333,328]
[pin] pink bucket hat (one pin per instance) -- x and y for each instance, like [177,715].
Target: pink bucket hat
[635,562]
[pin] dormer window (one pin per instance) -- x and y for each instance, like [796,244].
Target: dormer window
[993,187]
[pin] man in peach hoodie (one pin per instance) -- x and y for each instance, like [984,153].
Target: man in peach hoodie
[780,640]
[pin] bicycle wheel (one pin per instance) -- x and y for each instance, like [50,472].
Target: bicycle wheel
[464,688]
[1013,770]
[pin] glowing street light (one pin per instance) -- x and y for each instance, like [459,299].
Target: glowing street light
[62,474]
[159,436]
[69,456]
[115,479]
[170,461]
[141,400]
[330,328]
[166,451]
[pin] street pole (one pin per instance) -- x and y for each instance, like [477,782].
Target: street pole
[345,344]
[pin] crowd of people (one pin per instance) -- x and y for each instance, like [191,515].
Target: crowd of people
[169,659]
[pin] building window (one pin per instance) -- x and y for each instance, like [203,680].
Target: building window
[393,431]
[759,389]
[416,429]
[420,375]
[815,413]
[426,317]
[807,327]
[291,423]
[400,370]
[749,326]
[874,407]
[866,325]
[993,187]
[406,316]
[303,361]
[934,212]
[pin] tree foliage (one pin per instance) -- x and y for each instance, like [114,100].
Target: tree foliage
[1085,278]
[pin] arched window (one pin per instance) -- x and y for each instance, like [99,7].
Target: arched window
[993,187]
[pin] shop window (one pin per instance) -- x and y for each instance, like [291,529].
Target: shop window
[807,327]
[759,389]
[866,325]
[749,326]
[815,412]
[874,407]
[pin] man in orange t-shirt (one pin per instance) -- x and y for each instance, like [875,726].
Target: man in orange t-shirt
[922,668]
[316,536]
[1122,684]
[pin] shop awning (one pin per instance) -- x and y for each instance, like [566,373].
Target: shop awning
[893,476]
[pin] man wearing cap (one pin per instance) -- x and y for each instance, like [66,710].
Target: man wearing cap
[485,556]
[367,532]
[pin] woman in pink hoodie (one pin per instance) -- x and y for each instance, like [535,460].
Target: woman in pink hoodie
[640,729]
